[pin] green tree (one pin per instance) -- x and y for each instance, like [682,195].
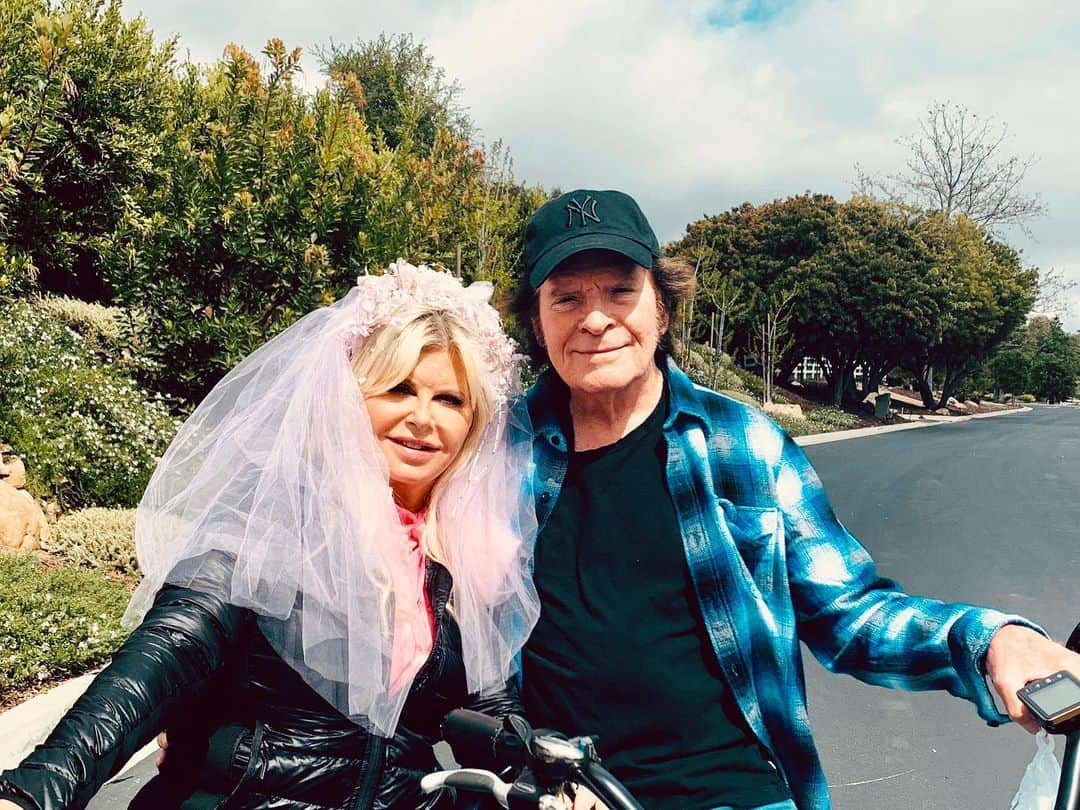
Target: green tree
[1055,362]
[752,251]
[85,100]
[987,293]
[407,98]
[862,270]
[868,296]
[1009,367]
[274,200]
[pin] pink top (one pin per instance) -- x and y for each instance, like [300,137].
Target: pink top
[414,623]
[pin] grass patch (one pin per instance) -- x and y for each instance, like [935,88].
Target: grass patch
[55,622]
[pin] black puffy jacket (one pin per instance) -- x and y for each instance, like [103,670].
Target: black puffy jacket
[244,730]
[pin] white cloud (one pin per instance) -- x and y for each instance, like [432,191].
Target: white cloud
[647,96]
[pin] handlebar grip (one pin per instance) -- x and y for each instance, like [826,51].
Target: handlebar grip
[475,781]
[478,739]
[1074,640]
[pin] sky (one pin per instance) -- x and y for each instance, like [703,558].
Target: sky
[694,107]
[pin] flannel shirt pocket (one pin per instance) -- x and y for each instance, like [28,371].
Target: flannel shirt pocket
[758,535]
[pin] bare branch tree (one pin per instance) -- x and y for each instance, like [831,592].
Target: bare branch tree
[957,163]
[719,292]
[1054,293]
[772,338]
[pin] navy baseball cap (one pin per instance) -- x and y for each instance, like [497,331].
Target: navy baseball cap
[587,219]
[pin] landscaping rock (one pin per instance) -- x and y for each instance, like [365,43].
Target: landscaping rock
[792,411]
[13,472]
[943,412]
[22,523]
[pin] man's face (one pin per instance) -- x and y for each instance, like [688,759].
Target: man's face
[601,324]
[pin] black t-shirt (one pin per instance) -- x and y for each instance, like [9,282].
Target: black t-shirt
[621,649]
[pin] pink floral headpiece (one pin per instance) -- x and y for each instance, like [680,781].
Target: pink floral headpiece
[391,298]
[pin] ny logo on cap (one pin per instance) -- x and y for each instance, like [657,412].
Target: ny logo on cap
[586,210]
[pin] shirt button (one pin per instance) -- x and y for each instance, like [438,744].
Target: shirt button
[545,497]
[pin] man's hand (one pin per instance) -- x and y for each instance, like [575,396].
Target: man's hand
[9,805]
[1018,655]
[163,744]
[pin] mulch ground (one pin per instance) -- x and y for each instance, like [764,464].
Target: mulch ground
[14,695]
[811,397]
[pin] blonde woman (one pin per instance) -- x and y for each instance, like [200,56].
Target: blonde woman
[335,553]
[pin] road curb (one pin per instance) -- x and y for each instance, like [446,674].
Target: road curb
[923,422]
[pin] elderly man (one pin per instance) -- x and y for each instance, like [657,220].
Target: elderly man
[687,546]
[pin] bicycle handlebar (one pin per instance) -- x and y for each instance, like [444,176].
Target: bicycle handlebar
[599,780]
[470,779]
[1068,797]
[512,745]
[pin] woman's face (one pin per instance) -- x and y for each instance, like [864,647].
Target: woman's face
[420,425]
[600,325]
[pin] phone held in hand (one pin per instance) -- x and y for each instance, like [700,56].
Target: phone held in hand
[1054,701]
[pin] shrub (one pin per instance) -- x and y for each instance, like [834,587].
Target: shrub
[97,538]
[54,622]
[272,200]
[819,420]
[88,434]
[750,381]
[114,334]
[793,426]
[100,326]
[703,369]
[826,419]
[86,98]
[18,274]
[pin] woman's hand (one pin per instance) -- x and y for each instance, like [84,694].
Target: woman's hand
[1018,655]
[584,800]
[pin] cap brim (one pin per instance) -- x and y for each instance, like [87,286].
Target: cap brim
[631,249]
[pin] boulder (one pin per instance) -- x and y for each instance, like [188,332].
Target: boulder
[943,412]
[775,408]
[22,523]
[13,472]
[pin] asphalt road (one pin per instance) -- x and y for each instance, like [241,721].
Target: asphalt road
[987,511]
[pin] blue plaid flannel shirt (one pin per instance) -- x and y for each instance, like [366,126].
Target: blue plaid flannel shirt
[773,566]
